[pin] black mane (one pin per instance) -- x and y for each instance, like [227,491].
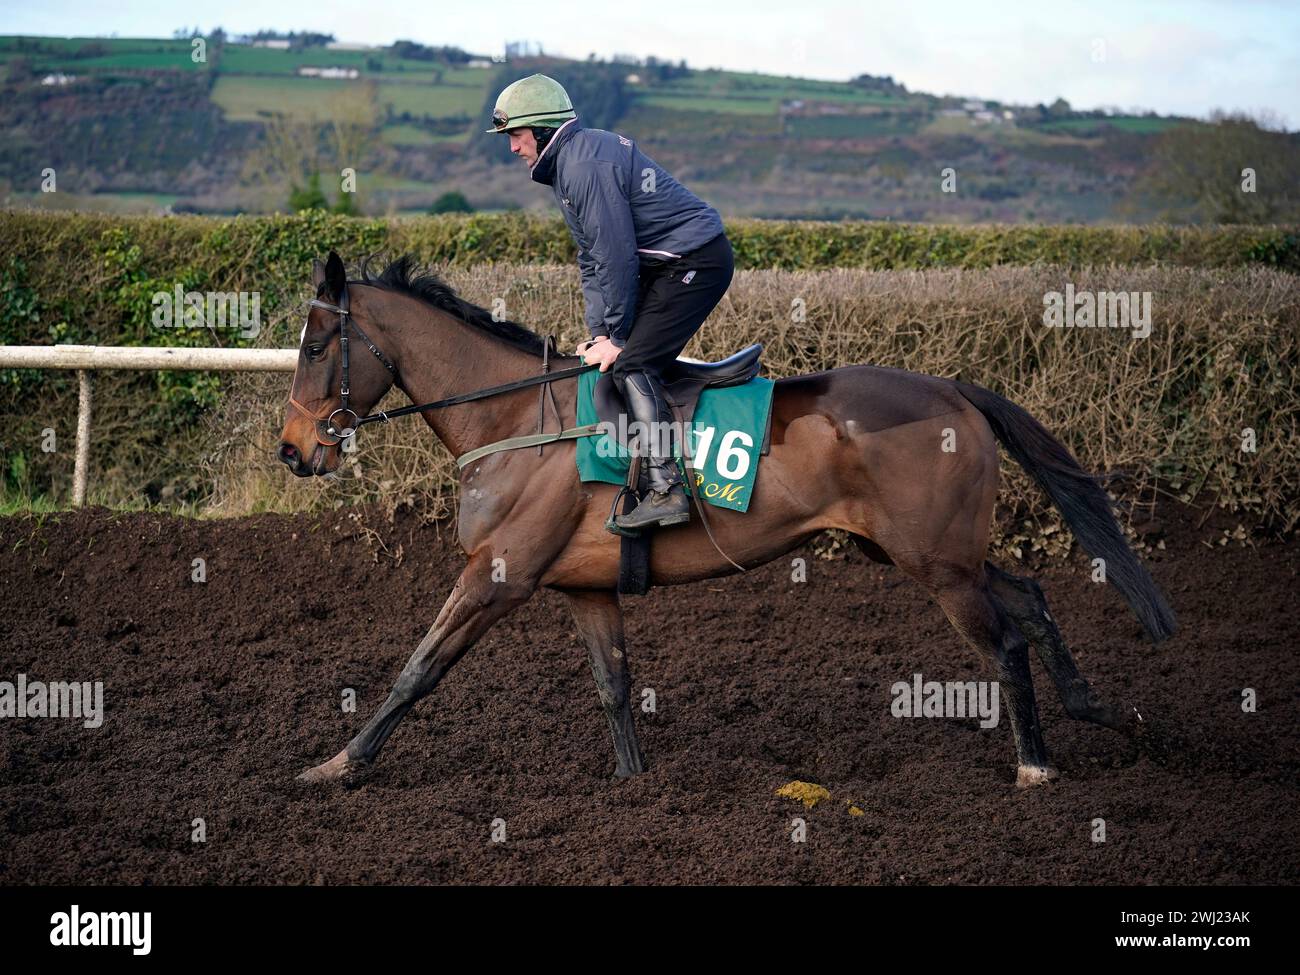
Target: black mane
[404,276]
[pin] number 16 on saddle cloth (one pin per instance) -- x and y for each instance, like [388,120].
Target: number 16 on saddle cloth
[726,434]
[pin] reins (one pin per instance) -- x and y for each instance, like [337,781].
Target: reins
[330,432]
[326,427]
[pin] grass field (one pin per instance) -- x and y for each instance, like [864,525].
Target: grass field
[1125,123]
[687,102]
[408,135]
[121,203]
[75,55]
[249,98]
[412,135]
[443,101]
[850,126]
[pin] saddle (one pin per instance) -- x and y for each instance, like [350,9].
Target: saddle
[682,385]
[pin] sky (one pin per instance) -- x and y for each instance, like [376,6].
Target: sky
[1184,58]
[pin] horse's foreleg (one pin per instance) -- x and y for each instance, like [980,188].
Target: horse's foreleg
[600,624]
[476,602]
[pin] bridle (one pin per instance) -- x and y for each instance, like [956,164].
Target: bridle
[330,431]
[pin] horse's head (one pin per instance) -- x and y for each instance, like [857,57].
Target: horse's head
[329,392]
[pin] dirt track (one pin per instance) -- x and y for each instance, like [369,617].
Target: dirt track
[217,694]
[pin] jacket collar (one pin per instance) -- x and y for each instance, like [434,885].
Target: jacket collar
[543,171]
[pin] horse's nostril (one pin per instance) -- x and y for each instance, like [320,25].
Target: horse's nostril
[288,454]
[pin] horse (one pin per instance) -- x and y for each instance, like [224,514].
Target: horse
[905,463]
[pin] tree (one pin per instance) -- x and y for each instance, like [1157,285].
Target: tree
[347,205]
[453,201]
[297,149]
[308,197]
[1236,169]
[1059,109]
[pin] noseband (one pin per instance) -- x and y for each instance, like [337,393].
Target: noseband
[330,431]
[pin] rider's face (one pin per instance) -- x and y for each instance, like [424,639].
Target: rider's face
[523,145]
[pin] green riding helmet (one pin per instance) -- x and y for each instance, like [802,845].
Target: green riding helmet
[535,100]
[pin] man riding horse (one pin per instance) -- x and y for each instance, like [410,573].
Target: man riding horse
[864,449]
[654,262]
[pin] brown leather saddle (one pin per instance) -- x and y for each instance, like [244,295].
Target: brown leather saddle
[682,385]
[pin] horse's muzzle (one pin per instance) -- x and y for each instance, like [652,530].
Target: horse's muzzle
[292,458]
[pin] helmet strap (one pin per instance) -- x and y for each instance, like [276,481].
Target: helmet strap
[542,134]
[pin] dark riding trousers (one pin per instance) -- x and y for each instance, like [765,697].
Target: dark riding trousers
[674,297]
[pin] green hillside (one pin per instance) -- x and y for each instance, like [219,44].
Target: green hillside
[128,122]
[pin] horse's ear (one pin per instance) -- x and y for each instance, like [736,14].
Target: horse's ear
[317,274]
[336,278]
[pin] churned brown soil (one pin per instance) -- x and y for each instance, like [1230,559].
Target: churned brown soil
[218,694]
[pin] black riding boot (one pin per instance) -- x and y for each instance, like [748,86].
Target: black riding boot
[666,502]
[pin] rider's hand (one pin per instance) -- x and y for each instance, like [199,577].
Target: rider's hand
[601,351]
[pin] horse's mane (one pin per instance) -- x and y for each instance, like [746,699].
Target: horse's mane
[404,276]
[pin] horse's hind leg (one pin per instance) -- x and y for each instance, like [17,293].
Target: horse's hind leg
[600,624]
[980,618]
[1024,602]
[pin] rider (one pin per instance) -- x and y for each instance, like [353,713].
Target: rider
[653,256]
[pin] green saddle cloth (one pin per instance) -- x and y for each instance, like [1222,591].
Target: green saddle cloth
[726,439]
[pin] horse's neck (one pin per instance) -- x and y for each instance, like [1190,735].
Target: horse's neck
[441,356]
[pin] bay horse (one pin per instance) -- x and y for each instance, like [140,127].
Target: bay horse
[906,463]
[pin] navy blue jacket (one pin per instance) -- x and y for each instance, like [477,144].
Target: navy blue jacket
[621,208]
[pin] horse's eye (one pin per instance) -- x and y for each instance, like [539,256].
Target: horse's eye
[314,351]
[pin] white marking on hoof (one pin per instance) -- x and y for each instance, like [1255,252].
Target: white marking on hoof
[335,769]
[1031,775]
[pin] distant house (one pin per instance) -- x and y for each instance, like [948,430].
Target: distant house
[308,72]
[973,106]
[276,44]
[58,78]
[633,79]
[478,63]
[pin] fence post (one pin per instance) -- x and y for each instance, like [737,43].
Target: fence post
[89,359]
[84,402]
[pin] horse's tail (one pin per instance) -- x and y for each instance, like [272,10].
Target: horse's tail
[1081,501]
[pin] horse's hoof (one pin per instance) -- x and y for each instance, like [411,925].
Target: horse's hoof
[630,770]
[340,768]
[1028,776]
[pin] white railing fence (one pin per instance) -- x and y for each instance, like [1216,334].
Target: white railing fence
[87,359]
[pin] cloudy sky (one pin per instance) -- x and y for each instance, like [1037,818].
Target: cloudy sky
[1175,57]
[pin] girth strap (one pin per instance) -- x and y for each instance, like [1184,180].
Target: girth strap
[527,440]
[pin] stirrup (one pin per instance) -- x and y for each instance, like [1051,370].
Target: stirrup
[663,520]
[611,525]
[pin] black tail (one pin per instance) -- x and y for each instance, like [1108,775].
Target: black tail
[1082,502]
